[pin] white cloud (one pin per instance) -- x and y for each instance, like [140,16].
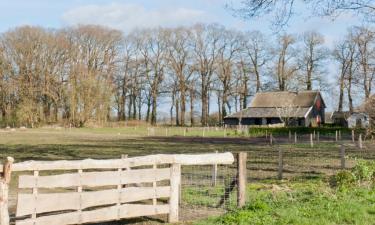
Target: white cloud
[129,16]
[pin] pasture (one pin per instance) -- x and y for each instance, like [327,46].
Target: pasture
[306,169]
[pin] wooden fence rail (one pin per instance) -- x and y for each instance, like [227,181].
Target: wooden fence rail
[85,193]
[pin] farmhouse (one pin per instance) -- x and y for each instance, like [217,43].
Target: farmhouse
[304,108]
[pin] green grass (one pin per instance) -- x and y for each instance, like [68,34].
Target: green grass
[302,202]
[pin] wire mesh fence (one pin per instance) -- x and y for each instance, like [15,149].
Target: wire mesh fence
[208,190]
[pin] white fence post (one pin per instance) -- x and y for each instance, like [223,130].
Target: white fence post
[175,193]
[214,173]
[4,191]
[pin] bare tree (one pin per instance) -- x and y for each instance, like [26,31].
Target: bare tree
[313,54]
[285,66]
[283,10]
[179,59]
[206,44]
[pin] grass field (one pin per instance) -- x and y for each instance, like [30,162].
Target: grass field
[302,198]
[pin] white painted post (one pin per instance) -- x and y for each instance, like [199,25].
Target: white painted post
[295,137]
[314,135]
[166,132]
[290,136]
[214,173]
[4,191]
[353,136]
[360,141]
[311,141]
[340,135]
[336,137]
[318,137]
[271,141]
[204,128]
[184,132]
[175,192]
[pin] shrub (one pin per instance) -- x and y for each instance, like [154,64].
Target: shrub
[364,170]
[344,178]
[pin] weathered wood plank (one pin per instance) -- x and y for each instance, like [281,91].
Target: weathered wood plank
[94,179]
[71,201]
[99,215]
[200,159]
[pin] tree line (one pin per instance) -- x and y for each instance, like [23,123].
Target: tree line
[93,74]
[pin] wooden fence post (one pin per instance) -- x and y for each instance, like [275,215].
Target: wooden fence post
[204,128]
[360,141]
[290,136]
[314,135]
[175,192]
[311,141]
[340,135]
[214,173]
[318,137]
[336,137]
[295,137]
[4,191]
[242,179]
[281,165]
[353,136]
[271,141]
[342,156]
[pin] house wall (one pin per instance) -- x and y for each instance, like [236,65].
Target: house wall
[317,110]
[358,120]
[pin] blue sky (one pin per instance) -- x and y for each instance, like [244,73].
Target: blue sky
[128,14]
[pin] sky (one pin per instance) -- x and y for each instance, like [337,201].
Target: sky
[126,15]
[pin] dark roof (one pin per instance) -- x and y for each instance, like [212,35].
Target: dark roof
[262,112]
[303,99]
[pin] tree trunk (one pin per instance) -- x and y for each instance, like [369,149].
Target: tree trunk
[192,122]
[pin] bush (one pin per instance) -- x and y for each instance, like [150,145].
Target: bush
[343,179]
[364,170]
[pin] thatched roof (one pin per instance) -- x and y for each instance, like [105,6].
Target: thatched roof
[266,113]
[302,99]
[266,104]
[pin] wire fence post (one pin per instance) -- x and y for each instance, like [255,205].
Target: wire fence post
[360,145]
[214,173]
[295,137]
[311,141]
[336,136]
[281,164]
[242,179]
[342,156]
[340,135]
[290,136]
[318,137]
[353,136]
[271,141]
[314,135]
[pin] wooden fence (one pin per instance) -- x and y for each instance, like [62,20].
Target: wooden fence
[88,191]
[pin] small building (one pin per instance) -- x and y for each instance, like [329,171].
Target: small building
[282,108]
[340,118]
[358,120]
